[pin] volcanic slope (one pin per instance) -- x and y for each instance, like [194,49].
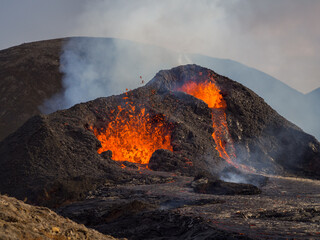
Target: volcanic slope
[55,158]
[30,74]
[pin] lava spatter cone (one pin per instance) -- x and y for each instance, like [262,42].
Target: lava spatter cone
[54,158]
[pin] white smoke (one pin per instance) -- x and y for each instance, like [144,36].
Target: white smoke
[100,67]
[235,178]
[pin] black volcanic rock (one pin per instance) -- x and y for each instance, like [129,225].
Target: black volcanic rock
[165,225]
[48,162]
[165,160]
[208,184]
[53,159]
[218,187]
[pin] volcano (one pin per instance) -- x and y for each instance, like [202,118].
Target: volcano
[188,126]
[31,73]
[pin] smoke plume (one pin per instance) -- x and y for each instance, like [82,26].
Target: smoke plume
[100,67]
[276,37]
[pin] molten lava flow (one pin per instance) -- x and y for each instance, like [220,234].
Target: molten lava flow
[208,92]
[133,135]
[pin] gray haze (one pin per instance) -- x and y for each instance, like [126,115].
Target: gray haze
[279,37]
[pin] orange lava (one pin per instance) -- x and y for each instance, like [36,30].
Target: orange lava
[133,134]
[208,92]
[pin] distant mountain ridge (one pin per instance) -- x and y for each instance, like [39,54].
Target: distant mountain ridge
[30,74]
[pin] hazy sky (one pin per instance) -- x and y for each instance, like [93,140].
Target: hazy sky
[279,37]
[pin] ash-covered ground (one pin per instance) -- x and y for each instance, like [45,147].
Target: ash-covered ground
[56,160]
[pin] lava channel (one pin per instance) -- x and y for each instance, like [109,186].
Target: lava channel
[208,92]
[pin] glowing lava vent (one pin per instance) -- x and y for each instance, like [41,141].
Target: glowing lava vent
[208,92]
[133,135]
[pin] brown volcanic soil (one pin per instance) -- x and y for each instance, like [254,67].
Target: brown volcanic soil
[29,74]
[22,221]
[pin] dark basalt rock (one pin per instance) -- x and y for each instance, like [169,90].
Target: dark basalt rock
[296,214]
[208,184]
[53,159]
[219,187]
[138,219]
[165,160]
[107,154]
[48,162]
[165,225]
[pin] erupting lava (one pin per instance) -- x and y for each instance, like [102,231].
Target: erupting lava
[133,135]
[208,92]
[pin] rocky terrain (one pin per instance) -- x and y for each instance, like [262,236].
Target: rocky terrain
[204,181]
[287,208]
[22,221]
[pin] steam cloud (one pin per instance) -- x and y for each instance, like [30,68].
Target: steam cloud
[276,37]
[280,38]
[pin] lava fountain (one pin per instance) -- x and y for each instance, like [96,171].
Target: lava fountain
[133,135]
